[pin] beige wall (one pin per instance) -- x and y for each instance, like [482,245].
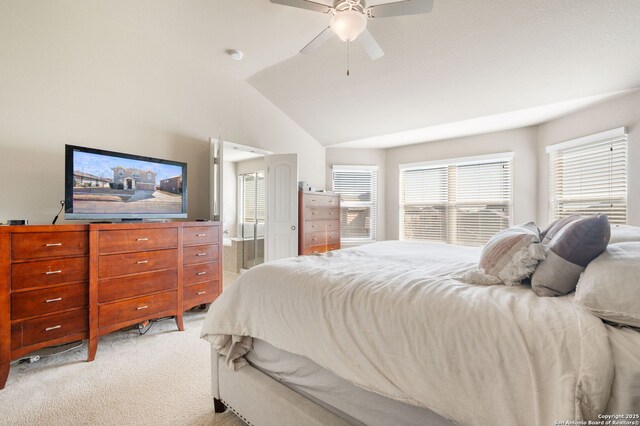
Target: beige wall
[85,74]
[522,142]
[362,157]
[620,112]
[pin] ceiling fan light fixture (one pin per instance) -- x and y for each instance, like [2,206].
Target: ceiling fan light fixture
[348,24]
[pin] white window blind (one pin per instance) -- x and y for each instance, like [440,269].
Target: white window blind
[358,188]
[253,201]
[589,176]
[462,202]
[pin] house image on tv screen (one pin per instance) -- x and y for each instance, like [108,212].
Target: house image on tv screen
[172,184]
[124,178]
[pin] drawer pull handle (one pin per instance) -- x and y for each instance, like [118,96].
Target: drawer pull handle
[201,273]
[54,245]
[57,299]
[55,327]
[201,292]
[201,235]
[53,272]
[143,239]
[139,308]
[201,254]
[141,262]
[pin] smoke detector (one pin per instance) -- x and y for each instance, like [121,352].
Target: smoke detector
[235,54]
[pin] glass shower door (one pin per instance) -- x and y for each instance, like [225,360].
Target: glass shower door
[252,218]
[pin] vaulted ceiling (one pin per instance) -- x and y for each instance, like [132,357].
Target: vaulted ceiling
[468,66]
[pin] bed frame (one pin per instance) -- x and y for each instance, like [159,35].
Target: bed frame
[260,400]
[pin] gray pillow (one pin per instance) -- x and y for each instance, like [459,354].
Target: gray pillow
[569,252]
[554,227]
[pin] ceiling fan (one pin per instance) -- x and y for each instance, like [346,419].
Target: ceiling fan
[350,17]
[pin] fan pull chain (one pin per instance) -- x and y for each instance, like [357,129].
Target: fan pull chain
[348,50]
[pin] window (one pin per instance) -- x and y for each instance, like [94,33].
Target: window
[357,186]
[589,176]
[461,201]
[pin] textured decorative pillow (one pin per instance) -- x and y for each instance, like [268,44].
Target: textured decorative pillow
[554,227]
[509,257]
[570,251]
[624,233]
[610,286]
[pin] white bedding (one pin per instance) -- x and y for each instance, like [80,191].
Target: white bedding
[391,318]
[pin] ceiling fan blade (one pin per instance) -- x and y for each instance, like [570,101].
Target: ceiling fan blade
[400,8]
[318,41]
[371,45]
[304,4]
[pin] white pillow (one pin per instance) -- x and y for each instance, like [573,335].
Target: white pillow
[509,257]
[610,286]
[624,233]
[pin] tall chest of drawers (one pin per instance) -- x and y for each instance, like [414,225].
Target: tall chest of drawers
[319,222]
[44,289]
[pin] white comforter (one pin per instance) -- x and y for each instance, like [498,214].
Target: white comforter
[390,317]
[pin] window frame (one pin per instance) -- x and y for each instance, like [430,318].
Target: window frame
[567,156]
[450,204]
[372,204]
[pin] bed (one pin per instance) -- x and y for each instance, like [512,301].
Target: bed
[388,333]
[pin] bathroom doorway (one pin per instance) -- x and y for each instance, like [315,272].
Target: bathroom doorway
[243,205]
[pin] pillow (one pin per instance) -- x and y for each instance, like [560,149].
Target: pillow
[570,251]
[624,233]
[554,227]
[509,257]
[610,286]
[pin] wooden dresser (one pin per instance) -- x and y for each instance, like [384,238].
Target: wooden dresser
[44,289]
[64,283]
[202,268]
[318,222]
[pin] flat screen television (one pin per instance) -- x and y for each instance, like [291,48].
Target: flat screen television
[103,184]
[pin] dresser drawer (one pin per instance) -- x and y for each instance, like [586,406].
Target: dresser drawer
[199,294]
[193,235]
[311,199]
[199,273]
[38,330]
[130,240]
[321,248]
[321,238]
[132,263]
[50,244]
[113,289]
[45,273]
[139,308]
[315,213]
[39,302]
[200,254]
[321,225]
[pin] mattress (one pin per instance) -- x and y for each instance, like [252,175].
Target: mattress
[353,404]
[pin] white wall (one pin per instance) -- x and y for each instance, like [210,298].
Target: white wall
[249,166]
[89,74]
[362,157]
[522,142]
[620,112]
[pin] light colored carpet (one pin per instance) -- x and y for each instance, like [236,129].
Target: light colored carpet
[161,378]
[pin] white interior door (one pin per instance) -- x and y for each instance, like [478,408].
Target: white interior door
[282,206]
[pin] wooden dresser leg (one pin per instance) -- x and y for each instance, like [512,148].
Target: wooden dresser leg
[4,373]
[93,348]
[218,406]
[179,321]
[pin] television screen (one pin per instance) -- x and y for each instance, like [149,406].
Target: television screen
[110,185]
